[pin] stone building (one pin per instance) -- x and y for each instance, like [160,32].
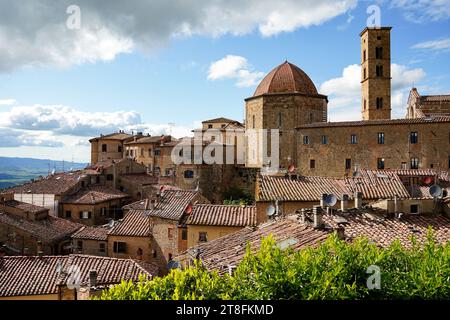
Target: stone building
[107,147]
[339,149]
[285,99]
[209,221]
[91,240]
[426,106]
[376,73]
[94,205]
[26,229]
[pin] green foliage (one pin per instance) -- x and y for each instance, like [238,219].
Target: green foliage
[332,270]
[237,196]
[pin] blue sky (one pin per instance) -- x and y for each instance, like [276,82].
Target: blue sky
[60,87]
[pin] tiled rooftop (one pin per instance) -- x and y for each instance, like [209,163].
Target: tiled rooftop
[372,183]
[94,194]
[47,230]
[437,119]
[222,215]
[99,233]
[114,136]
[136,223]
[26,207]
[57,184]
[290,231]
[31,275]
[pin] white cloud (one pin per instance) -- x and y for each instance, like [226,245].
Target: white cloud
[34,32]
[234,67]
[434,45]
[420,11]
[18,138]
[344,93]
[7,102]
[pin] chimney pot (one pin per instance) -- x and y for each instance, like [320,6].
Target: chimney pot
[344,203]
[317,215]
[358,200]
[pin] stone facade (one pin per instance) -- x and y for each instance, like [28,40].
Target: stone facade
[424,106]
[376,73]
[97,214]
[340,157]
[212,232]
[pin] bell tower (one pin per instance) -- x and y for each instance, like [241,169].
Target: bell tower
[376,73]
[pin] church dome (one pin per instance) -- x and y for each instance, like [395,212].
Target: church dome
[286,78]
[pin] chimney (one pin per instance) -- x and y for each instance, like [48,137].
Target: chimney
[358,200]
[317,214]
[395,204]
[152,204]
[344,203]
[302,215]
[146,204]
[322,200]
[92,278]
[340,232]
[40,253]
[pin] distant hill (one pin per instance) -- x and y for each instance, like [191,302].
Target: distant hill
[15,171]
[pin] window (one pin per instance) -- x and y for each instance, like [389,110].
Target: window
[109,177]
[103,211]
[403,166]
[449,162]
[378,37]
[414,137]
[379,52]
[379,71]
[184,234]
[348,164]
[131,153]
[279,120]
[364,55]
[80,246]
[324,139]
[157,152]
[119,149]
[305,140]
[104,148]
[365,104]
[154,254]
[380,137]
[170,256]
[312,163]
[223,126]
[188,174]
[414,163]
[310,118]
[379,103]
[210,126]
[380,163]
[142,152]
[353,139]
[68,214]
[149,152]
[170,233]
[85,215]
[202,237]
[253,120]
[101,247]
[414,208]
[365,73]
[119,247]
[97,179]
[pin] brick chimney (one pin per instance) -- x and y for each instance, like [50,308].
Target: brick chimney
[92,278]
[40,252]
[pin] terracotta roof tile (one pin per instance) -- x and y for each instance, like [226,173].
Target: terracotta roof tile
[31,275]
[47,230]
[136,223]
[222,215]
[286,78]
[99,233]
[438,119]
[26,207]
[94,194]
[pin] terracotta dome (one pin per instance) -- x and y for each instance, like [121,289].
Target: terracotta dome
[286,78]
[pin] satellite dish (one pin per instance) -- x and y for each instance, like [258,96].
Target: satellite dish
[330,200]
[270,211]
[291,168]
[435,191]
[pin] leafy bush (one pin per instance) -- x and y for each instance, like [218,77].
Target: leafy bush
[332,270]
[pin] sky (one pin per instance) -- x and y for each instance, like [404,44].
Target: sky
[72,69]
